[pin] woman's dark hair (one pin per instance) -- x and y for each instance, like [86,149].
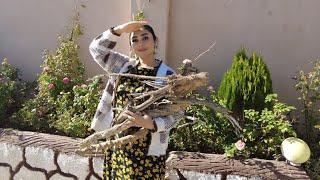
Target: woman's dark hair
[150,29]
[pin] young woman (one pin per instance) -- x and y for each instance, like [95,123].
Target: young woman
[145,158]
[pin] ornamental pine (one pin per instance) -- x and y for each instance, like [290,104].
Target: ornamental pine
[246,84]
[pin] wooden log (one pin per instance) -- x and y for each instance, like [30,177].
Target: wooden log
[220,164]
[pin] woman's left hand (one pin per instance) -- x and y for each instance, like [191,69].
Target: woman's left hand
[141,121]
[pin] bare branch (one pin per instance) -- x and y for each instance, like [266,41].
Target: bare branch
[211,46]
[103,146]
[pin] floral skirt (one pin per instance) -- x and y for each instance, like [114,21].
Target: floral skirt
[132,162]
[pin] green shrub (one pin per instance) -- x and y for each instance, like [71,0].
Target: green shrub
[35,115]
[62,70]
[263,132]
[12,91]
[211,134]
[246,84]
[262,135]
[76,109]
[64,104]
[308,86]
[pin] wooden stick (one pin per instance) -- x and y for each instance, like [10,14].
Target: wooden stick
[201,54]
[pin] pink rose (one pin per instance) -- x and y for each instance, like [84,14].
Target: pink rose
[51,86]
[187,61]
[240,145]
[40,113]
[66,80]
[46,69]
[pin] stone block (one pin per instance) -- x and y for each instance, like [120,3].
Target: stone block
[25,174]
[41,158]
[4,172]
[98,164]
[60,177]
[74,164]
[10,154]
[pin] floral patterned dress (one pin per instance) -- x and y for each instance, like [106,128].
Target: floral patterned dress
[131,161]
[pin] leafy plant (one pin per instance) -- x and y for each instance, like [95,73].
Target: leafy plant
[246,84]
[75,109]
[262,135]
[211,134]
[139,16]
[12,90]
[308,85]
[64,103]
[263,132]
[62,70]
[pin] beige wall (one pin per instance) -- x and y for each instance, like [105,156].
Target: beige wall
[286,32]
[27,27]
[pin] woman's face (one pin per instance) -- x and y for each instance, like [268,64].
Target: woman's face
[142,43]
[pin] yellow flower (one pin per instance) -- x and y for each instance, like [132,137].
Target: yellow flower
[129,162]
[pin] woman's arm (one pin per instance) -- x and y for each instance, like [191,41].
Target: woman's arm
[101,47]
[157,124]
[166,123]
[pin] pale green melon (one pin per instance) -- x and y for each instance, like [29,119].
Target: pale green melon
[295,150]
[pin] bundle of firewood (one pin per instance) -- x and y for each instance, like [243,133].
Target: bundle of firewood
[169,99]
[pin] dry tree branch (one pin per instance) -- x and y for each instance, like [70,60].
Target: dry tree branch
[94,138]
[193,121]
[201,54]
[103,146]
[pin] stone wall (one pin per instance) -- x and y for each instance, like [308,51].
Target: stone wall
[30,155]
[38,156]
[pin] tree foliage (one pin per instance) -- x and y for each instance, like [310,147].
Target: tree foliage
[246,84]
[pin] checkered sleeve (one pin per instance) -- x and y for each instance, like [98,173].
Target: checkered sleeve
[101,50]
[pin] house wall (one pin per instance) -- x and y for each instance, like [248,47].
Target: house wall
[27,28]
[285,32]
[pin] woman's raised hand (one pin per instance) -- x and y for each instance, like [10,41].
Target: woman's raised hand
[129,27]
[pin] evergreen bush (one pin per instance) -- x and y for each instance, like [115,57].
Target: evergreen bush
[246,84]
